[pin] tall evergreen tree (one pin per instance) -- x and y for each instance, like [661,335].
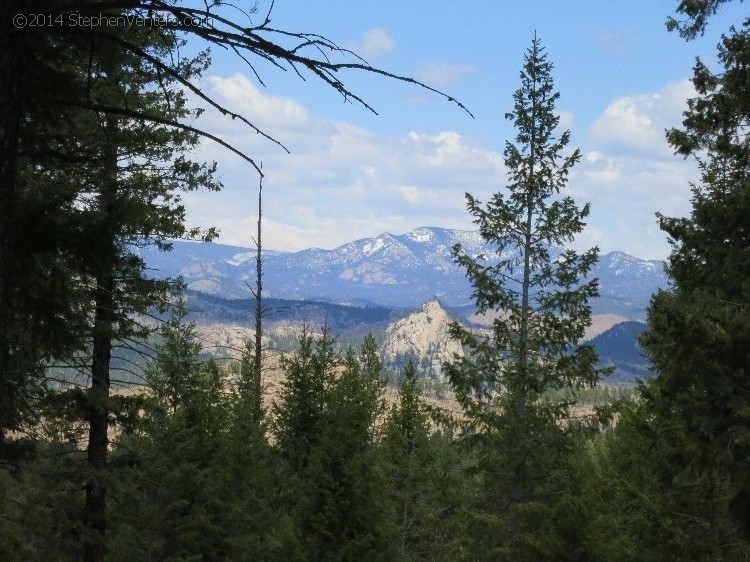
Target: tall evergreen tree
[164,502]
[542,296]
[171,376]
[38,214]
[699,329]
[406,451]
[369,357]
[132,188]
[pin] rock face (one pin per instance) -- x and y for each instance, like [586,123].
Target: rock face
[423,337]
[420,335]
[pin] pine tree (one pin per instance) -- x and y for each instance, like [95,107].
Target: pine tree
[164,501]
[405,445]
[542,296]
[369,358]
[344,515]
[38,216]
[172,375]
[698,13]
[298,417]
[699,329]
[132,185]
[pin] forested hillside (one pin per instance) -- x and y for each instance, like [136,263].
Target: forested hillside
[128,433]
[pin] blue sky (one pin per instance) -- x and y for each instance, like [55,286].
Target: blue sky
[352,174]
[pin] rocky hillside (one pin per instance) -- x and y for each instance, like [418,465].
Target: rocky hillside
[420,334]
[423,337]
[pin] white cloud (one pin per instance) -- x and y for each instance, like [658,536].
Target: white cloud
[629,172]
[444,73]
[238,93]
[636,124]
[373,44]
[567,120]
[625,192]
[342,182]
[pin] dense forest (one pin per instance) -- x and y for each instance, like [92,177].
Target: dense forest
[96,149]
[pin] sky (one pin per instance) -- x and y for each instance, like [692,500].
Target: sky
[623,80]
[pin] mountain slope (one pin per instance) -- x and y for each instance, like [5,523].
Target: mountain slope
[388,270]
[619,347]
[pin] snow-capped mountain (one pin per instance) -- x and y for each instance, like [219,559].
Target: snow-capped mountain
[390,270]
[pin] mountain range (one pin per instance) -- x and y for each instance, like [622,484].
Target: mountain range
[395,271]
[405,289]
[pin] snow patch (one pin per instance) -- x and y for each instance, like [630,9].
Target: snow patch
[371,247]
[421,235]
[239,259]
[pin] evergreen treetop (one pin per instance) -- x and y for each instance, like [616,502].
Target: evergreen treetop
[541,293]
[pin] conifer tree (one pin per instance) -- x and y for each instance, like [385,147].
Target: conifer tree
[299,416]
[697,13]
[164,477]
[542,296]
[132,187]
[344,515]
[405,444]
[171,375]
[369,358]
[699,329]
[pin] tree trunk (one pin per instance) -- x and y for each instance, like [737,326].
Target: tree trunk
[258,363]
[11,102]
[104,318]
[96,489]
[520,434]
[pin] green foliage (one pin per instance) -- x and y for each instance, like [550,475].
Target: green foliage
[598,396]
[369,357]
[38,217]
[168,467]
[344,516]
[637,494]
[41,509]
[408,423]
[298,417]
[504,380]
[409,462]
[698,13]
[324,428]
[175,364]
[699,330]
[196,480]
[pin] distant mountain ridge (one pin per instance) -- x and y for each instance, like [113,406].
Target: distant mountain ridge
[388,270]
[619,347]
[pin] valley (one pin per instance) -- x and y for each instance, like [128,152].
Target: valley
[404,289]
